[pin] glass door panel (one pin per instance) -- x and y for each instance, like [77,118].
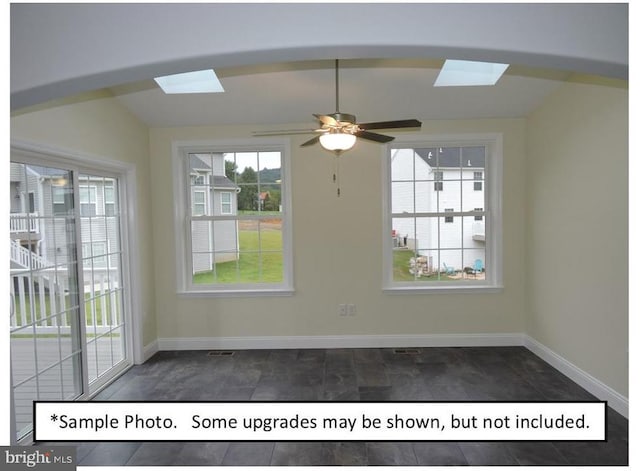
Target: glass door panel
[67,330]
[45,336]
[102,275]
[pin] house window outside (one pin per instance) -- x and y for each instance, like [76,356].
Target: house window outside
[437,184]
[432,198]
[199,203]
[198,180]
[448,219]
[239,245]
[226,203]
[88,201]
[58,195]
[477,185]
[109,199]
[32,202]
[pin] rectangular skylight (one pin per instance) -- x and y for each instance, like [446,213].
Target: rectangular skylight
[456,73]
[200,81]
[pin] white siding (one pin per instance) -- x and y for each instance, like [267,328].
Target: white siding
[413,190]
[218,164]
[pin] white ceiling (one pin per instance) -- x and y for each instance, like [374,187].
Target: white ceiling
[373,90]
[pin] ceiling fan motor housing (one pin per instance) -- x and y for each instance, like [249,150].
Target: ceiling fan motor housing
[344,117]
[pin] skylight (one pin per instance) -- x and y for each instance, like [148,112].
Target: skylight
[200,81]
[456,73]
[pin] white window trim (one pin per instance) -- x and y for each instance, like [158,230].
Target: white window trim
[493,202]
[185,287]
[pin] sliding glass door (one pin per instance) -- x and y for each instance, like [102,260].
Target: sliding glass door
[67,292]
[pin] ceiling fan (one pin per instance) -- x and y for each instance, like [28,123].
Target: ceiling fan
[338,131]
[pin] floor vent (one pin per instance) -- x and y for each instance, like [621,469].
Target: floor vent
[406,351]
[220,353]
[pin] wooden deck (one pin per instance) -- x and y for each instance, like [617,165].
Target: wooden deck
[56,380]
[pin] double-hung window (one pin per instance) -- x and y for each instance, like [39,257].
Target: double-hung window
[226,202]
[199,202]
[443,198]
[477,184]
[233,217]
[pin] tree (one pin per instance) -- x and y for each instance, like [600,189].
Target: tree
[230,170]
[248,196]
[273,202]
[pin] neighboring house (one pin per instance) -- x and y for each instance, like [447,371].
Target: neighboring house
[39,229]
[212,194]
[263,197]
[24,197]
[446,180]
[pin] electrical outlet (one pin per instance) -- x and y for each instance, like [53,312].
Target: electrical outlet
[351,309]
[342,310]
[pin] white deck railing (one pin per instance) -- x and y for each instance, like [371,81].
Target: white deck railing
[26,258]
[23,223]
[47,298]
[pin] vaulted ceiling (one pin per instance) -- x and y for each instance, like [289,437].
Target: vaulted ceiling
[373,90]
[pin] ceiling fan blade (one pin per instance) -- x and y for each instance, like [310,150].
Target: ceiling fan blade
[326,120]
[372,136]
[404,123]
[310,142]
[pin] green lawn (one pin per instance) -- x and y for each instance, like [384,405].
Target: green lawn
[91,306]
[253,266]
[276,214]
[266,267]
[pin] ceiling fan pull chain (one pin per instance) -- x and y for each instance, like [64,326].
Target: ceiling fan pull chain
[336,174]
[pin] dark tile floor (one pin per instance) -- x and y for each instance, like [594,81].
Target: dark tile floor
[489,373]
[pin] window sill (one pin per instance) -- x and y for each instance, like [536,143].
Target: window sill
[239,293]
[478,289]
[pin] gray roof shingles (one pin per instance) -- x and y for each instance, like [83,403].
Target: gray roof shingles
[220,181]
[453,156]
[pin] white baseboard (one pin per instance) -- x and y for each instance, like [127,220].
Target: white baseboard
[616,401]
[149,350]
[603,392]
[340,341]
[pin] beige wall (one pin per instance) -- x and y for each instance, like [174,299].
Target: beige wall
[97,125]
[577,228]
[338,250]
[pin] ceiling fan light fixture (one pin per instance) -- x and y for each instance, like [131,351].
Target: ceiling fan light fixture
[337,141]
